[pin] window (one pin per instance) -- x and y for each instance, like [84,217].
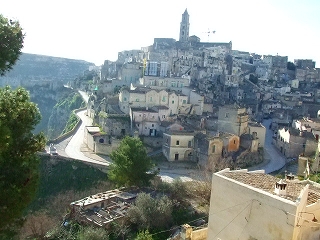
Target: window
[234,141]
[124,99]
[137,100]
[150,99]
[152,125]
[172,101]
[184,101]
[177,142]
[138,124]
[163,99]
[173,84]
[163,116]
[227,115]
[213,148]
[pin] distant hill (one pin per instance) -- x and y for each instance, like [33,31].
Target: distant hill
[39,67]
[44,77]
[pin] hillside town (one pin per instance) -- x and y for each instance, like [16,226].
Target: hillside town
[224,112]
[204,101]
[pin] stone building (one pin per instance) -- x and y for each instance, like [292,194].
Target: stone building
[258,131]
[147,97]
[304,63]
[146,120]
[208,149]
[184,27]
[178,145]
[130,73]
[232,119]
[293,142]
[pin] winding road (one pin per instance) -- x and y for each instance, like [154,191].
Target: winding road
[274,160]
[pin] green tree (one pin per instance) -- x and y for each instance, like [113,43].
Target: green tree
[253,78]
[19,171]
[91,233]
[291,66]
[11,43]
[151,212]
[144,235]
[131,166]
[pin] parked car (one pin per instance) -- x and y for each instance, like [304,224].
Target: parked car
[53,150]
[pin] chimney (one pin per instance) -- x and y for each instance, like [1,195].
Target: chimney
[290,177]
[280,188]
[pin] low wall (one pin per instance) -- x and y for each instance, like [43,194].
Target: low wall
[200,234]
[58,158]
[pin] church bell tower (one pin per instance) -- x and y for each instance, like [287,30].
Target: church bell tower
[184,27]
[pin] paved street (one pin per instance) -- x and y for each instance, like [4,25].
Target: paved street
[76,147]
[274,160]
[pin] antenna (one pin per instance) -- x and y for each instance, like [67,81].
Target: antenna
[209,32]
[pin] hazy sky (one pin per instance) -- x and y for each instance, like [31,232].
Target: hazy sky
[96,30]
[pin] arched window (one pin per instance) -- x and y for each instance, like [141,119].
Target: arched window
[213,148]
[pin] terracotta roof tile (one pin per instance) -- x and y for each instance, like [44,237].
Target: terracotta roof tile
[267,183]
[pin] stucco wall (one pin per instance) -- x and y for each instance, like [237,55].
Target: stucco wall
[238,211]
[261,133]
[200,234]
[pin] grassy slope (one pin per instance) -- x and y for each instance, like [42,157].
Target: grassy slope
[59,176]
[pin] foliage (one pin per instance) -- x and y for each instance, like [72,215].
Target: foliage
[291,66]
[68,232]
[62,176]
[178,189]
[117,89]
[73,231]
[71,102]
[19,172]
[72,122]
[11,43]
[151,212]
[91,233]
[120,229]
[130,164]
[60,120]
[144,235]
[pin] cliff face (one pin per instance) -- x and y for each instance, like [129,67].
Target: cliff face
[44,77]
[55,107]
[61,113]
